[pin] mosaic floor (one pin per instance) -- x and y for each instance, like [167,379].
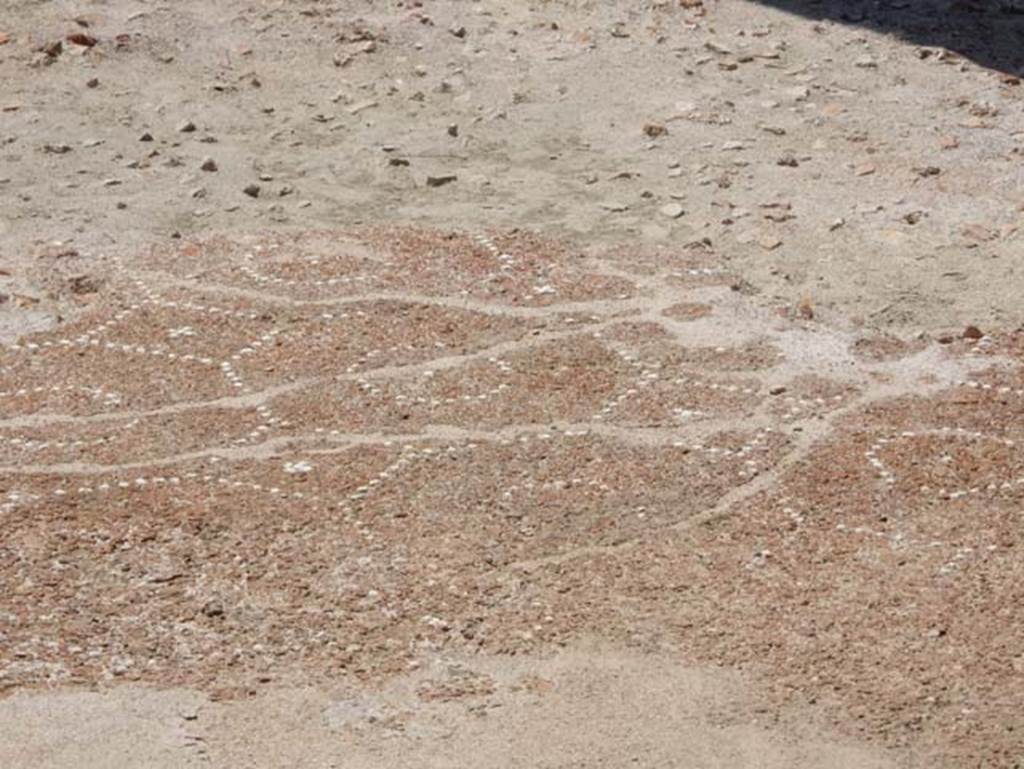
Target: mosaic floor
[339,451]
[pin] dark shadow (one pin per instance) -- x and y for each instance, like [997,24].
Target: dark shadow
[985,31]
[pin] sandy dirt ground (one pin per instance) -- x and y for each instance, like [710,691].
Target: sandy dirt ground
[553,384]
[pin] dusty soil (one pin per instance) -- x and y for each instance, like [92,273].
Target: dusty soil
[573,385]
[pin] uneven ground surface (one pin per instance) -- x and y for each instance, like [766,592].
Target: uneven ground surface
[869,162]
[628,446]
[292,461]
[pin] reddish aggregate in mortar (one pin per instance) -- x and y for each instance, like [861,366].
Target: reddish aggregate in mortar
[290,456]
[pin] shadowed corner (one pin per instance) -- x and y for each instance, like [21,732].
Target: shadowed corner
[987,32]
